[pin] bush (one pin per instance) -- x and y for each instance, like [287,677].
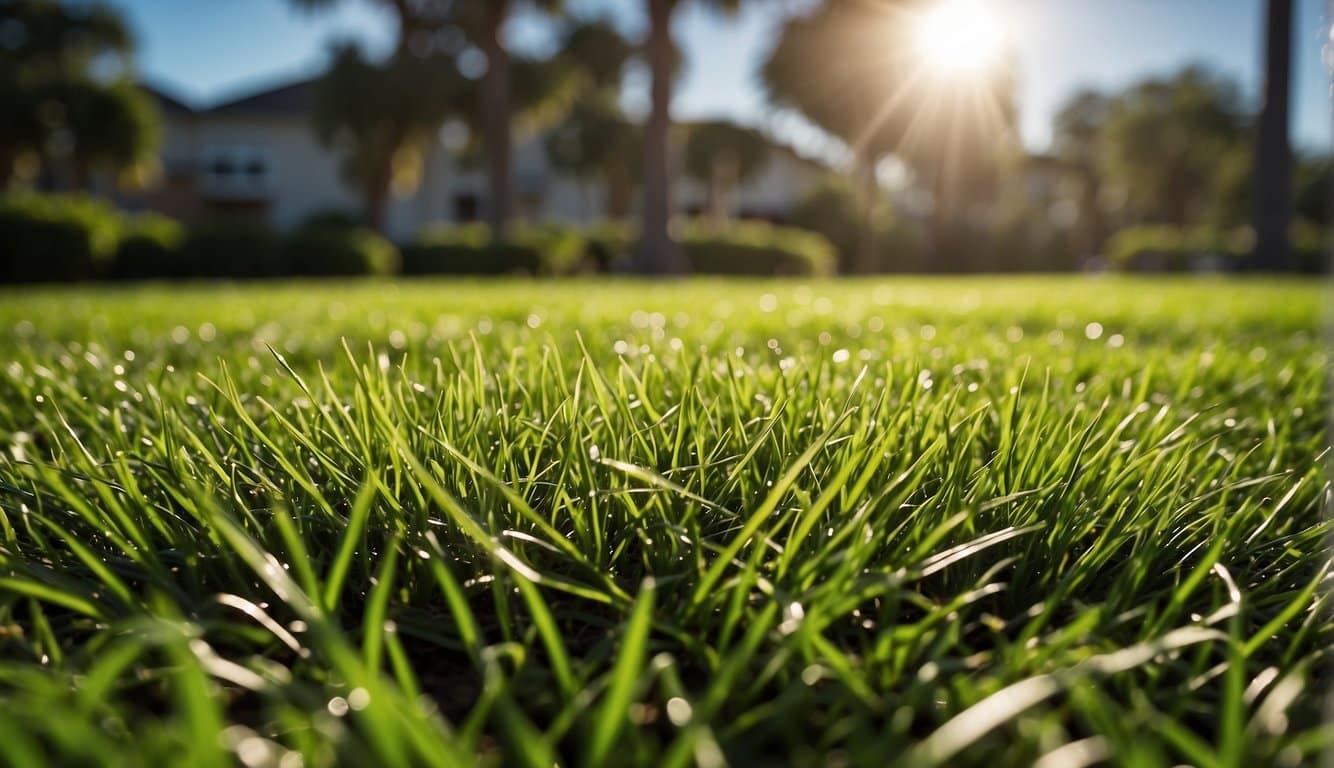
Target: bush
[1310,247]
[55,238]
[711,248]
[331,218]
[1159,248]
[830,208]
[608,244]
[468,249]
[336,250]
[150,247]
[1172,249]
[755,248]
[240,251]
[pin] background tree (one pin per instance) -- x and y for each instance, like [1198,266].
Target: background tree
[108,127]
[599,54]
[852,69]
[506,85]
[1075,142]
[1272,200]
[1162,142]
[657,253]
[1314,188]
[595,141]
[382,117]
[722,154]
[56,109]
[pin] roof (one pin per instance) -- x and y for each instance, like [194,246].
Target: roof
[290,100]
[166,102]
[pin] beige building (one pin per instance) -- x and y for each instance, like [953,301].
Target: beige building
[257,157]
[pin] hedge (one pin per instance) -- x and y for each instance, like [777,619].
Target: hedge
[56,238]
[726,248]
[469,249]
[150,247]
[328,251]
[1173,249]
[755,248]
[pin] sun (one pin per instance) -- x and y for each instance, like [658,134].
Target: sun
[960,37]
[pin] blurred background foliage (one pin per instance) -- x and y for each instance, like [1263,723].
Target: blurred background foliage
[1156,176]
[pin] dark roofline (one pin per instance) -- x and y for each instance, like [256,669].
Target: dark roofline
[290,99]
[166,102]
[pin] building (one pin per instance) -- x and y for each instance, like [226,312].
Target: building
[257,158]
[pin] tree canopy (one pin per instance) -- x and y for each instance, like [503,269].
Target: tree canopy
[1162,141]
[58,110]
[382,115]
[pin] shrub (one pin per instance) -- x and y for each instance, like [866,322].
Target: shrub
[333,250]
[561,248]
[1310,247]
[468,249]
[755,248]
[608,244]
[1171,249]
[55,238]
[830,208]
[331,218]
[241,251]
[150,247]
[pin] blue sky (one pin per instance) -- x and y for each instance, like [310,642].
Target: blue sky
[205,50]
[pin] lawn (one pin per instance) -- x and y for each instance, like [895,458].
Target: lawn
[924,522]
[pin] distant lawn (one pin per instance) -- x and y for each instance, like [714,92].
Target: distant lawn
[982,521]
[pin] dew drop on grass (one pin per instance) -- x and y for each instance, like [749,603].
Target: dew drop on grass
[1093,331]
[679,711]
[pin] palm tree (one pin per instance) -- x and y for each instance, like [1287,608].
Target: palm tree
[1076,143]
[1272,198]
[495,110]
[482,23]
[48,87]
[657,252]
[595,141]
[381,119]
[723,154]
[848,67]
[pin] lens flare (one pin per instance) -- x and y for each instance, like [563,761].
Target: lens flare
[960,37]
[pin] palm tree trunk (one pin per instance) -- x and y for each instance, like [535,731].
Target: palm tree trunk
[374,201]
[657,252]
[496,113]
[375,185]
[1091,219]
[620,192]
[867,258]
[81,176]
[1272,199]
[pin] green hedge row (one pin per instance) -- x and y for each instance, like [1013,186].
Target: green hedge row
[468,249]
[1173,249]
[72,238]
[732,248]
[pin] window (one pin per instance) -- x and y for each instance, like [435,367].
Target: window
[235,169]
[466,207]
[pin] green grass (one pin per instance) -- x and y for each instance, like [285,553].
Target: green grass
[960,522]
